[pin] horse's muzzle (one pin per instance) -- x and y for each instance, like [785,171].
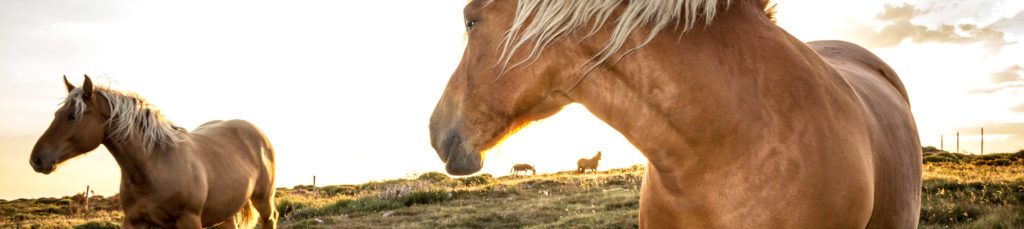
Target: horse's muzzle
[457,158]
[42,165]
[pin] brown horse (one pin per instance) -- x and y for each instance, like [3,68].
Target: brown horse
[522,167]
[742,124]
[169,178]
[588,164]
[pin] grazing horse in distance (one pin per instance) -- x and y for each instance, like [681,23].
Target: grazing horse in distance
[523,167]
[222,173]
[742,124]
[588,164]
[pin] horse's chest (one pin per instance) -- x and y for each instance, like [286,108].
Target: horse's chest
[162,213]
[163,207]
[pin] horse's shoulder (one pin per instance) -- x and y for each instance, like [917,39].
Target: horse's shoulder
[846,56]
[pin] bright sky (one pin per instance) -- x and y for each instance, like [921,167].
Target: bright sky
[344,89]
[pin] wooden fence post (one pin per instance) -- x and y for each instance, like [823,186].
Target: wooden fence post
[86,194]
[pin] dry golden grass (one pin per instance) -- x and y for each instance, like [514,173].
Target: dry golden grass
[954,195]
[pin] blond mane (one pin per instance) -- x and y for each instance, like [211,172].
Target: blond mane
[131,115]
[553,19]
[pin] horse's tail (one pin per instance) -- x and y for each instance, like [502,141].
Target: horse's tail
[246,218]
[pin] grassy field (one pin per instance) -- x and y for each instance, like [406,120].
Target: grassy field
[960,193]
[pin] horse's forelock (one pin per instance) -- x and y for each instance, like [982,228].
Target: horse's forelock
[74,101]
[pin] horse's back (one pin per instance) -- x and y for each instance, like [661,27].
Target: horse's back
[233,130]
[896,156]
[235,137]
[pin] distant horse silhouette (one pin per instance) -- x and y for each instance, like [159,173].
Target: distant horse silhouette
[588,164]
[214,175]
[523,167]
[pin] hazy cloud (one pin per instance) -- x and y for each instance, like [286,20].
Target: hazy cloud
[900,27]
[996,89]
[1019,108]
[1011,74]
[1013,24]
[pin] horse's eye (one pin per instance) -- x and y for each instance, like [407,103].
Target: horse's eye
[470,24]
[71,117]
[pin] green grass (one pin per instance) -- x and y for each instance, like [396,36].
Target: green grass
[606,199]
[960,194]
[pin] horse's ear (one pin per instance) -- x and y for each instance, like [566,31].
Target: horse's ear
[87,88]
[68,84]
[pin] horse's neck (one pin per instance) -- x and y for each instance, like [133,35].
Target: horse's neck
[699,92]
[135,161]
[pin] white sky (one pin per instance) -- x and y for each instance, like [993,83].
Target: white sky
[344,89]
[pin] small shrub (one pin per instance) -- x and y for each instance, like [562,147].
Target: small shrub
[64,202]
[306,187]
[1000,162]
[49,209]
[286,206]
[334,190]
[481,179]
[47,200]
[936,158]
[989,157]
[98,225]
[433,177]
[429,196]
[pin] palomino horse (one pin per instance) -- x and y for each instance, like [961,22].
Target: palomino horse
[524,168]
[742,124]
[169,178]
[588,164]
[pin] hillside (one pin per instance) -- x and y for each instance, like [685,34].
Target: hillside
[959,194]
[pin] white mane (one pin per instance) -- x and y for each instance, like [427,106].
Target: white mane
[551,19]
[131,115]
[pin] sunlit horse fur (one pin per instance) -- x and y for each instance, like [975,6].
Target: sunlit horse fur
[522,168]
[743,125]
[585,164]
[222,172]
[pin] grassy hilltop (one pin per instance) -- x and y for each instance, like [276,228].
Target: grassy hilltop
[959,191]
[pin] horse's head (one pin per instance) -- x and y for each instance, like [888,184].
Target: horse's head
[77,128]
[493,92]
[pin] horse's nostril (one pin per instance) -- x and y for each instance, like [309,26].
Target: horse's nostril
[35,162]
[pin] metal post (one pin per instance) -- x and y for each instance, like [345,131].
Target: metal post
[983,140]
[958,142]
[942,143]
